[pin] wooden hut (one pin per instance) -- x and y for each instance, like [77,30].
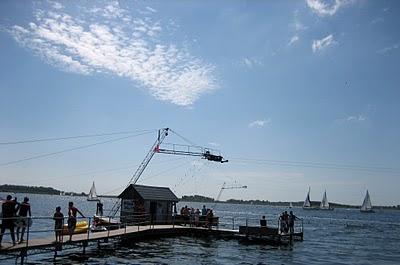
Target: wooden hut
[147,203]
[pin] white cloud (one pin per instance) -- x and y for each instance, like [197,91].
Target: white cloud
[259,123]
[111,40]
[322,44]
[214,144]
[389,48]
[327,7]
[293,40]
[356,118]
[251,62]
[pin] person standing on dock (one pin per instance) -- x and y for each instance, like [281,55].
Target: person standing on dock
[99,208]
[204,211]
[210,218]
[8,209]
[72,211]
[291,220]
[58,223]
[24,210]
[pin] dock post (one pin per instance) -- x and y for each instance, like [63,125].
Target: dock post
[88,231]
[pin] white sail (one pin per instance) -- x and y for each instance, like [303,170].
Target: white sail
[366,206]
[324,203]
[92,196]
[307,202]
[290,205]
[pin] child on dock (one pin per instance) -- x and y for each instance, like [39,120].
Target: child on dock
[58,223]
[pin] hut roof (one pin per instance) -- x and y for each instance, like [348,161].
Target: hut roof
[150,193]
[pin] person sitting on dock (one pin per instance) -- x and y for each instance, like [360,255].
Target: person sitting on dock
[8,209]
[291,220]
[58,224]
[263,221]
[72,211]
[24,210]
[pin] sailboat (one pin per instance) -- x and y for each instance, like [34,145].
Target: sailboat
[307,202]
[92,196]
[324,203]
[290,205]
[366,207]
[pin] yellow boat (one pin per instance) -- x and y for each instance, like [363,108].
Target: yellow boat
[81,227]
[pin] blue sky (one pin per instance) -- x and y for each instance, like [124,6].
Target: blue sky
[293,93]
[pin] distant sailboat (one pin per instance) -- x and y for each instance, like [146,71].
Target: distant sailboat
[92,196]
[307,202]
[366,207]
[324,203]
[290,205]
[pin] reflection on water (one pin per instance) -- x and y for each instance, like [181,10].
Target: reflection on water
[341,236]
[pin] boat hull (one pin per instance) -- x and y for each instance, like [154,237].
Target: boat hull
[81,227]
[367,211]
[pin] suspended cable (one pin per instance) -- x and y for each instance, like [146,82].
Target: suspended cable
[182,137]
[69,150]
[318,165]
[72,137]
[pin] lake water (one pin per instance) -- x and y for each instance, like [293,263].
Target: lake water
[342,236]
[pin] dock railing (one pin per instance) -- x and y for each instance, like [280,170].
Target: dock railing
[42,227]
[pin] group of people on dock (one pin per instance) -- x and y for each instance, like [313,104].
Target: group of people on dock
[18,215]
[15,214]
[192,216]
[71,222]
[287,221]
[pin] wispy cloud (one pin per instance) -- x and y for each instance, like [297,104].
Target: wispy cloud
[327,7]
[360,118]
[297,27]
[112,40]
[389,48]
[322,44]
[377,20]
[293,40]
[259,123]
[251,62]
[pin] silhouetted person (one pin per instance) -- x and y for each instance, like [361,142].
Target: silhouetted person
[72,211]
[291,220]
[58,223]
[24,210]
[263,222]
[8,209]
[99,208]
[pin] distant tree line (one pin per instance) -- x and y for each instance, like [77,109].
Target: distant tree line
[196,198]
[28,189]
[35,190]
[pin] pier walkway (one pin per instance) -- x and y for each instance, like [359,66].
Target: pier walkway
[45,242]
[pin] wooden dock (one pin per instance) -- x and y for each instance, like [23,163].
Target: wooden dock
[135,233]
[138,232]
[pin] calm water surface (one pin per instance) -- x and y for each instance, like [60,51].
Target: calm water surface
[342,236]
